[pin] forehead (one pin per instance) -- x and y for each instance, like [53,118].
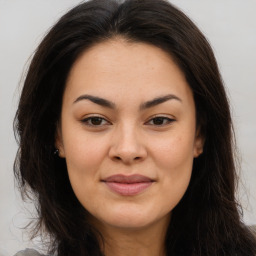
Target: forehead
[129,68]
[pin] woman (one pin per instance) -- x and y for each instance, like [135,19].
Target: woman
[126,136]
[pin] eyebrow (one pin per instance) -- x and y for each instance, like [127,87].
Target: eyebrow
[96,100]
[112,105]
[159,100]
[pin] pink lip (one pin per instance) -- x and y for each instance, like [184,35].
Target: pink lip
[128,185]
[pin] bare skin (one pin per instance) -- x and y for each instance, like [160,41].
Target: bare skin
[149,241]
[128,112]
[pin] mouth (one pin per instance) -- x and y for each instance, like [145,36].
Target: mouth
[128,185]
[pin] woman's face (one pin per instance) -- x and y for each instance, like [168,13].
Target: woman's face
[128,133]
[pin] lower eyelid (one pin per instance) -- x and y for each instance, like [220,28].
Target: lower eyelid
[86,121]
[168,120]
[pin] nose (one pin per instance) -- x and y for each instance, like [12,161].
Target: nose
[127,146]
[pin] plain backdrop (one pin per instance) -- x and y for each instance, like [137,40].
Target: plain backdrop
[230,26]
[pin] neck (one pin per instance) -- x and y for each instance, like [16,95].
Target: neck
[146,241]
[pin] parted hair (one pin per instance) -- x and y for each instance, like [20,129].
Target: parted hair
[207,221]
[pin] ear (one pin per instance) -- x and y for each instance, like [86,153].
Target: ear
[59,143]
[199,143]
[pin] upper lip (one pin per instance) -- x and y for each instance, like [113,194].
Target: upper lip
[120,178]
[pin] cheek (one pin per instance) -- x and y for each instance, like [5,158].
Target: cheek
[84,156]
[84,159]
[174,152]
[176,167]
[174,159]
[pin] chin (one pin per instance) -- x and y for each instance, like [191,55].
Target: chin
[134,219]
[130,222]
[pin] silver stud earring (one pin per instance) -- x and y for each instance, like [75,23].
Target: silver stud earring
[56,152]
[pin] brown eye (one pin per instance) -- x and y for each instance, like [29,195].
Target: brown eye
[160,121]
[95,121]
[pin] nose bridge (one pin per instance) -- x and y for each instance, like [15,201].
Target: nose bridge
[127,144]
[127,137]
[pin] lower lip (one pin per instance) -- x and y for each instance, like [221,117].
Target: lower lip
[128,189]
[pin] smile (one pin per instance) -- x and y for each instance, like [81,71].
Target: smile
[128,185]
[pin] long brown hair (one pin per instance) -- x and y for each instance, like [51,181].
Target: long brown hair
[207,221]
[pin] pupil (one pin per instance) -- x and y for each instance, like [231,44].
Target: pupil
[158,120]
[96,120]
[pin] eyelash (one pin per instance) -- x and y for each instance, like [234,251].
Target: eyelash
[163,118]
[88,121]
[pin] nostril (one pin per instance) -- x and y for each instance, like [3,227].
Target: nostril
[120,158]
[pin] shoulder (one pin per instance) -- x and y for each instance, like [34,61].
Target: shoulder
[28,252]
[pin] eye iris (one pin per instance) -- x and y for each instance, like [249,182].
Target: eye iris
[158,121]
[96,120]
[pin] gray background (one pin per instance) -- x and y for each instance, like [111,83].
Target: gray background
[230,26]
